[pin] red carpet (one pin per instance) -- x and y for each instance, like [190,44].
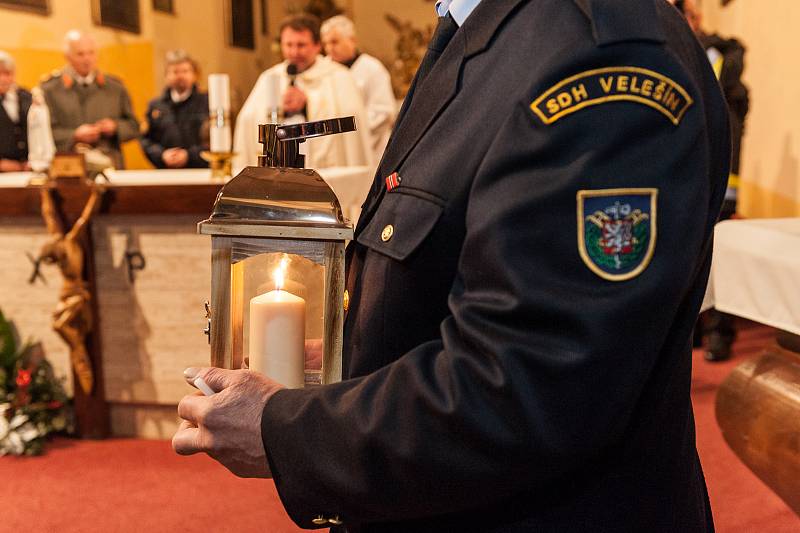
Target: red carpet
[132,486]
[142,486]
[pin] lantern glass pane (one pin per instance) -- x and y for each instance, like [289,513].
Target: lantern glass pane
[274,320]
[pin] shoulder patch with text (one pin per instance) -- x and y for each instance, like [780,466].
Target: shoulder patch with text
[617,231]
[613,84]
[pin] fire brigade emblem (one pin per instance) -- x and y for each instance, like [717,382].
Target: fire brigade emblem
[617,231]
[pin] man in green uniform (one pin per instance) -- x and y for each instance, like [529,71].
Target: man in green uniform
[88,107]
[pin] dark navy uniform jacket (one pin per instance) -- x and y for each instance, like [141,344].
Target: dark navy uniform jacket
[176,125]
[517,345]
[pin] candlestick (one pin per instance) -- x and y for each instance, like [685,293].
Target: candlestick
[277,334]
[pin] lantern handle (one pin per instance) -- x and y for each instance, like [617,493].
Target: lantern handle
[282,141]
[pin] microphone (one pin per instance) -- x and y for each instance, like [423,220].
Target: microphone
[291,70]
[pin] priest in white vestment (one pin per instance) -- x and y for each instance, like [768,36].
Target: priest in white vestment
[306,87]
[372,78]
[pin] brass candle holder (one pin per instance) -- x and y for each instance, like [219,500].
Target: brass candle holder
[221,163]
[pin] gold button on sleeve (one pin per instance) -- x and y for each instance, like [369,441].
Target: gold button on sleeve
[335,521]
[346,302]
[319,520]
[387,233]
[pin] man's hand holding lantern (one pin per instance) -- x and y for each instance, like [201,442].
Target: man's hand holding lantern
[227,425]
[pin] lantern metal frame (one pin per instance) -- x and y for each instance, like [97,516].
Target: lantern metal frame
[277,209]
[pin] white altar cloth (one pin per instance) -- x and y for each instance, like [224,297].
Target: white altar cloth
[756,271]
[350,184]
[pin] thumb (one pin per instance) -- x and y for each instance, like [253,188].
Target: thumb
[216,378]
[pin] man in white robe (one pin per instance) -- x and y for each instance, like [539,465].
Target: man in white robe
[372,78]
[319,90]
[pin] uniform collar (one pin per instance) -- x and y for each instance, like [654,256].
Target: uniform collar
[84,80]
[69,77]
[459,9]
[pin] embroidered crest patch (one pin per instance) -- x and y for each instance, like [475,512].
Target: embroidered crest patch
[613,84]
[617,231]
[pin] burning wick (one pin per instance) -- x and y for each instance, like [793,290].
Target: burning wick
[201,384]
[279,274]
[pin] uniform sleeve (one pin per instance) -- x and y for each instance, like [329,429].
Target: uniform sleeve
[541,363]
[150,145]
[127,125]
[195,159]
[62,134]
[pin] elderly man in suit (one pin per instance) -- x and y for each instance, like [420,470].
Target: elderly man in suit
[16,102]
[88,107]
[522,286]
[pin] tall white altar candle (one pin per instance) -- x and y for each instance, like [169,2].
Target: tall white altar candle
[219,105]
[220,139]
[219,94]
[277,336]
[273,97]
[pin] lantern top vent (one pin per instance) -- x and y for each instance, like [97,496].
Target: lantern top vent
[288,203]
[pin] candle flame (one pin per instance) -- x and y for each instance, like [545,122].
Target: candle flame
[279,274]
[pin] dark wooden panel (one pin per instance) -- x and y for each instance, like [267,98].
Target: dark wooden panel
[37,6]
[118,200]
[241,31]
[120,14]
[164,6]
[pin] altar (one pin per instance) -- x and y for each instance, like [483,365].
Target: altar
[152,275]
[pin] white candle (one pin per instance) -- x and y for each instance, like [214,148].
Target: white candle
[273,97]
[277,334]
[219,105]
[220,137]
[219,95]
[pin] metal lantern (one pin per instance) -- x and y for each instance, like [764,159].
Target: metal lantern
[277,287]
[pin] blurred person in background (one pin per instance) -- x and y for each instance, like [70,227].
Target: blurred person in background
[309,87]
[727,58]
[87,106]
[16,102]
[372,78]
[175,119]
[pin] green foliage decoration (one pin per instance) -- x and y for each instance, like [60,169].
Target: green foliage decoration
[33,403]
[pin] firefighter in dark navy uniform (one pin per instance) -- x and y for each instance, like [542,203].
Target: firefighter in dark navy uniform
[522,287]
[176,120]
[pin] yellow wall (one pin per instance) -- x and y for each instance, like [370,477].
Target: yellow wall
[375,35]
[769,169]
[198,26]
[770,180]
